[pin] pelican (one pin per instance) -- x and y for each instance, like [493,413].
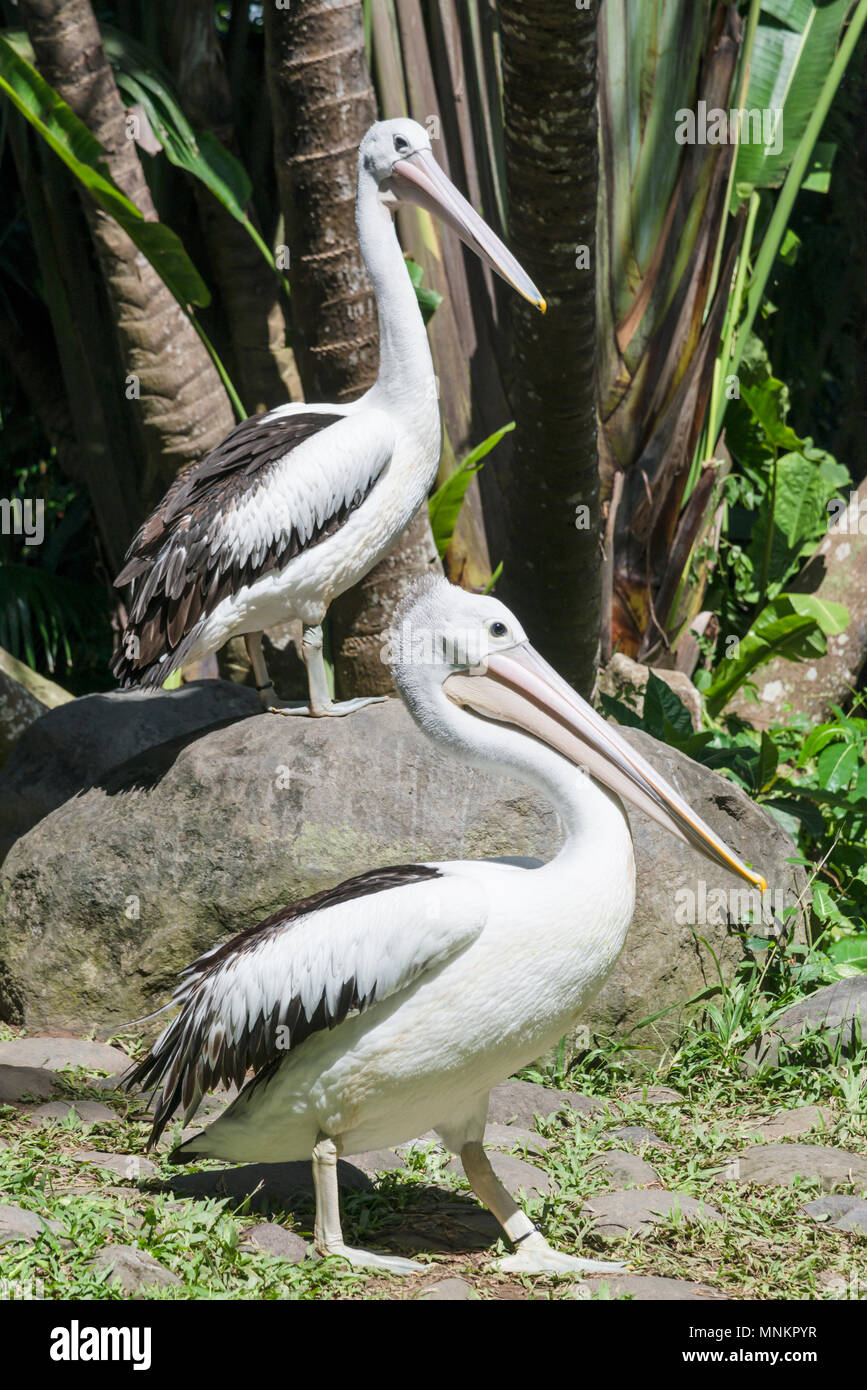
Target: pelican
[391,1004]
[297,505]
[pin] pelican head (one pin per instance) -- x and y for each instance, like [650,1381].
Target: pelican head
[398,154]
[461,660]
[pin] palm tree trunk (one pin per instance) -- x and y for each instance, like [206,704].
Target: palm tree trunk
[551,559]
[264,368]
[181,408]
[322,103]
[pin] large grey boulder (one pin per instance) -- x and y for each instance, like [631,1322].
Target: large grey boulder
[836,1015]
[73,747]
[153,861]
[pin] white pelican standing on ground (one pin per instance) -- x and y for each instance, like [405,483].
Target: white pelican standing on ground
[390,1005]
[297,505]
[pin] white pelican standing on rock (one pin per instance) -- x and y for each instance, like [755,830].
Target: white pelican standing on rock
[297,505]
[391,1004]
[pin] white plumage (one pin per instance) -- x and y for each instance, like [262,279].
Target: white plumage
[390,1005]
[297,505]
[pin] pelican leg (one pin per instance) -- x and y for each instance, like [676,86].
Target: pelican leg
[264,684]
[533,1254]
[321,703]
[327,1232]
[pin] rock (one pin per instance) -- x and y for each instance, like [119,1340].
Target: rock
[135,1167]
[625,679]
[840,1212]
[446,1290]
[636,1212]
[76,744]
[777,1165]
[652,1288]
[625,1169]
[132,1268]
[57,1053]
[87,1112]
[512,1136]
[514,1173]
[638,1137]
[654,1095]
[265,1184]
[834,1009]
[275,1240]
[18,1082]
[18,1224]
[377,1161]
[787,1124]
[120,887]
[24,697]
[519,1102]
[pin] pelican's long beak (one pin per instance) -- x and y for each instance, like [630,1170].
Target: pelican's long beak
[518,687]
[419,179]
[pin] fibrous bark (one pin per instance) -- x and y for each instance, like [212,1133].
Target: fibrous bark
[551,569]
[181,407]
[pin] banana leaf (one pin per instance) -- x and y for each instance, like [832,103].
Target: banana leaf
[84,156]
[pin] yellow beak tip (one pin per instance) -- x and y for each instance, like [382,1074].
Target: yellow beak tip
[542,306]
[762,884]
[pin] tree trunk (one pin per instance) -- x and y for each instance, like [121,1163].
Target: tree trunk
[182,409]
[322,103]
[264,369]
[836,572]
[551,571]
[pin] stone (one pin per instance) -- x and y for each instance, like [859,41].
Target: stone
[833,1009]
[447,1290]
[377,1161]
[18,1224]
[514,1173]
[654,1095]
[87,1112]
[625,679]
[132,1268]
[638,1137]
[512,1136]
[18,1082]
[56,1053]
[624,1169]
[636,1211]
[75,745]
[519,1102]
[141,866]
[839,1211]
[650,1288]
[271,1239]
[778,1165]
[265,1184]
[135,1167]
[24,697]
[788,1124]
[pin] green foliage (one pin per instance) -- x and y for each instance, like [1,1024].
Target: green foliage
[428,299]
[445,504]
[83,155]
[813,780]
[793,626]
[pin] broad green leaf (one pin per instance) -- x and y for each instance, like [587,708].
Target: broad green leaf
[787,71]
[769,758]
[662,707]
[850,949]
[428,299]
[445,504]
[837,765]
[791,625]
[84,156]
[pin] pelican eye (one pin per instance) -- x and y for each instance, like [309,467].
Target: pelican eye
[400,144]
[498,629]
